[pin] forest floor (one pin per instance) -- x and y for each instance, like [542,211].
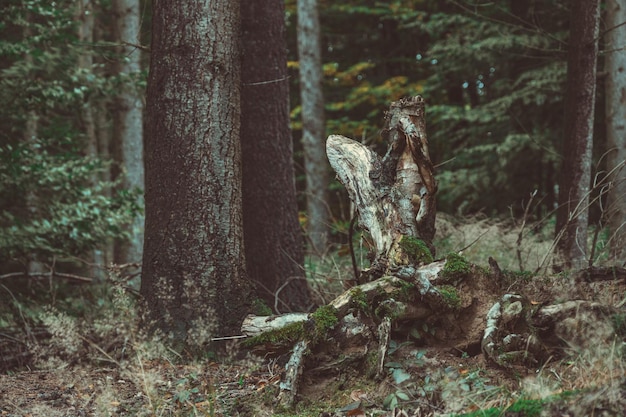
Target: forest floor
[431,381]
[91,361]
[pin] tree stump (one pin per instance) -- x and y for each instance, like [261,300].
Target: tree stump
[448,303]
[394,196]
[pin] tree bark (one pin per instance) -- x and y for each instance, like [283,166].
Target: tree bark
[85,19]
[574,184]
[194,281]
[615,95]
[313,124]
[394,196]
[128,120]
[273,240]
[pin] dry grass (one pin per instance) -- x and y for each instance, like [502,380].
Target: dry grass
[480,238]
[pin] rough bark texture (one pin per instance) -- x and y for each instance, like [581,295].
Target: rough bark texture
[272,234]
[194,280]
[615,94]
[128,120]
[572,214]
[394,196]
[313,124]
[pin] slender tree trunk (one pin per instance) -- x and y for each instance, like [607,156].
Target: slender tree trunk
[194,281]
[615,94]
[103,127]
[128,120]
[313,124]
[33,264]
[85,18]
[273,241]
[572,214]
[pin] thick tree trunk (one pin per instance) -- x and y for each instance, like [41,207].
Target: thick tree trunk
[194,281]
[273,240]
[313,124]
[128,120]
[574,184]
[615,94]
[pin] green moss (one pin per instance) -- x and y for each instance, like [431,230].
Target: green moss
[324,319]
[405,289]
[450,295]
[456,267]
[359,299]
[288,335]
[416,250]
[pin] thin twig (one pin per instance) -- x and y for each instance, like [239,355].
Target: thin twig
[277,80]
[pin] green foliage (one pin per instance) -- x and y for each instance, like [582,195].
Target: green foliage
[51,208]
[619,324]
[492,74]
[521,407]
[54,200]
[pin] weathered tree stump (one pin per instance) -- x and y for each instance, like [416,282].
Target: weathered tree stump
[394,196]
[454,304]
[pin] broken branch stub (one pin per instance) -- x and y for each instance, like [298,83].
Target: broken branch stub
[395,195]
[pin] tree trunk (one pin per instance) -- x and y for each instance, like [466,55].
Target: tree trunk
[104,132]
[194,281]
[273,241]
[128,120]
[615,94]
[313,124]
[33,264]
[85,19]
[394,196]
[572,213]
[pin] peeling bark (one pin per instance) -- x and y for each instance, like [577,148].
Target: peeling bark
[395,195]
